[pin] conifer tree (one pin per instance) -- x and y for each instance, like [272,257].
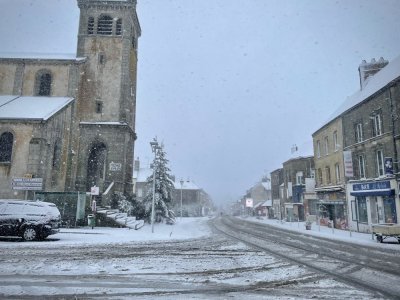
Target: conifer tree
[163,187]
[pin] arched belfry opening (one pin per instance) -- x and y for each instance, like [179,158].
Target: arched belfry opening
[96,166]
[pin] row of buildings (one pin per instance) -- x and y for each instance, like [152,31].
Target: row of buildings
[351,180]
[188,199]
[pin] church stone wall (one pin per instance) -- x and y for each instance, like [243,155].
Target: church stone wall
[7,75]
[60,78]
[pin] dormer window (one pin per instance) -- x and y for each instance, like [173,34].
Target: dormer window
[104,25]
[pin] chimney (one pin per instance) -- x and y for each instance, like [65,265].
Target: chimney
[367,70]
[136,165]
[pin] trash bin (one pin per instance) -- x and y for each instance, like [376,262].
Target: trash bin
[91,220]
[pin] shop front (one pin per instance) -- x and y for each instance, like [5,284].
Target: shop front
[372,202]
[332,206]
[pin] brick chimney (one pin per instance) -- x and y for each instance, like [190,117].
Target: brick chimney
[367,70]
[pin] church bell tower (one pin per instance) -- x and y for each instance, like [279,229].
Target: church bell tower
[106,104]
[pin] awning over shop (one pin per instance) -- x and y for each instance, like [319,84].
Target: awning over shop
[382,192]
[336,202]
[332,188]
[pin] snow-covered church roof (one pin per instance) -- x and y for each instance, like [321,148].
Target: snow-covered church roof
[31,108]
[42,56]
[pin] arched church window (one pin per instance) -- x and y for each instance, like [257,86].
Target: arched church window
[43,83]
[118,28]
[90,26]
[57,154]
[6,145]
[104,25]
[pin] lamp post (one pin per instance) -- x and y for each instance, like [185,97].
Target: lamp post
[154,148]
[181,195]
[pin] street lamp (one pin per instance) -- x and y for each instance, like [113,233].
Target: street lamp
[154,147]
[181,195]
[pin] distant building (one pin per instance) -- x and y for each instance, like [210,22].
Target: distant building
[276,193]
[190,199]
[295,172]
[139,180]
[70,120]
[330,179]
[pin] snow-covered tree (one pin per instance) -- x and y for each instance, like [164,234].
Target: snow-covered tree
[163,187]
[124,205]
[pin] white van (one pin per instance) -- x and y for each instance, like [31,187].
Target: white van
[28,219]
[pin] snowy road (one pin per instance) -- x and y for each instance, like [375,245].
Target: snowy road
[370,268]
[210,267]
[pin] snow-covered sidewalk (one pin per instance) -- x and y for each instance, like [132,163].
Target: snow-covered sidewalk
[329,233]
[185,228]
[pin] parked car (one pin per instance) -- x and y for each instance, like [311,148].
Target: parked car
[29,219]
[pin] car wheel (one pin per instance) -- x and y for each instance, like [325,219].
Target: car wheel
[29,234]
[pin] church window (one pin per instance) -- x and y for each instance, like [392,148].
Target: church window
[118,28]
[90,27]
[35,163]
[104,25]
[43,83]
[57,154]
[102,58]
[6,145]
[99,107]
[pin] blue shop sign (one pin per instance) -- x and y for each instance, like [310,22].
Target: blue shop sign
[375,188]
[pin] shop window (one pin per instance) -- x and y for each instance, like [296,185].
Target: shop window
[389,210]
[6,146]
[362,210]
[313,207]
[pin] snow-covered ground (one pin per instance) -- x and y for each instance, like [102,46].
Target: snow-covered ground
[185,228]
[183,261]
[334,234]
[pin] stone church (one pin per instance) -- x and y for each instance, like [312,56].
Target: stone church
[69,121]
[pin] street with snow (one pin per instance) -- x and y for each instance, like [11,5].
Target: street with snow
[193,259]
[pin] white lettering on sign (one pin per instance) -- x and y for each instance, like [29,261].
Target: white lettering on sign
[115,166]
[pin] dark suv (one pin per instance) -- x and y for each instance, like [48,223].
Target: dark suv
[28,219]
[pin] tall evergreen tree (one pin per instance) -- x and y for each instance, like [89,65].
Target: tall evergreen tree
[163,187]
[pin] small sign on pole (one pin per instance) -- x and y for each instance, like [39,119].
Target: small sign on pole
[94,191]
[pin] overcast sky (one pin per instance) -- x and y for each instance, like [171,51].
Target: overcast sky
[229,85]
